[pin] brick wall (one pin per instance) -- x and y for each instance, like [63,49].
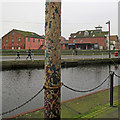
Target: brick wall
[13,44]
[34,43]
[99,40]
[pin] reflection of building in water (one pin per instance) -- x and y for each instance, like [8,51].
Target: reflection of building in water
[98,73]
[18,74]
[29,75]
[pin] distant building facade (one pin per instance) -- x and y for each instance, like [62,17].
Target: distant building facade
[64,43]
[18,39]
[88,39]
[114,42]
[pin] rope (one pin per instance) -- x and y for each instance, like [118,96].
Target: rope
[117,75]
[22,104]
[86,90]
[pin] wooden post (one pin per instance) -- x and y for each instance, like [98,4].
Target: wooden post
[52,94]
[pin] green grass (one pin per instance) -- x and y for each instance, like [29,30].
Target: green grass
[90,106]
[63,52]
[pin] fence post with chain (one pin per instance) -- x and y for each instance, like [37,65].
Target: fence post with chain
[111,88]
[52,85]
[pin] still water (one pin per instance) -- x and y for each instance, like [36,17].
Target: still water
[20,85]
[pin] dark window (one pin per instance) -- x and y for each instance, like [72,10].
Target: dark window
[38,40]
[12,40]
[19,39]
[33,40]
[6,41]
[28,39]
[12,33]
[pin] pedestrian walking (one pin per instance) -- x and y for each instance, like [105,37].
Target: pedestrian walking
[75,51]
[29,54]
[18,55]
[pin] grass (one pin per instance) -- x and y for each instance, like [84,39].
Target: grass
[63,52]
[91,106]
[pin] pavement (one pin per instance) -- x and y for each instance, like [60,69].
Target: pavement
[95,105]
[41,57]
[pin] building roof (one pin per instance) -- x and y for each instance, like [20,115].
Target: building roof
[89,33]
[64,42]
[28,34]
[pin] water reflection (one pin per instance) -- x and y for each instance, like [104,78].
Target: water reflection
[20,85]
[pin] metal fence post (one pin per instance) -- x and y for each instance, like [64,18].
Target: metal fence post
[111,88]
[52,85]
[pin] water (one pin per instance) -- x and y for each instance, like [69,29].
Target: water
[20,85]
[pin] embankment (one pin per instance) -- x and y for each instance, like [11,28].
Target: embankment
[28,64]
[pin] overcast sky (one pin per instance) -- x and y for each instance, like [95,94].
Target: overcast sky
[77,15]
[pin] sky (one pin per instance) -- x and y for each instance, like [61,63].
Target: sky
[76,15]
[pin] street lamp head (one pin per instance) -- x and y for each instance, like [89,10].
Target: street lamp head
[108,22]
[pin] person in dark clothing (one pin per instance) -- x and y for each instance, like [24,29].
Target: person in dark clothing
[29,54]
[76,51]
[18,55]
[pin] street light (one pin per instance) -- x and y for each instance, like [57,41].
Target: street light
[110,73]
[109,37]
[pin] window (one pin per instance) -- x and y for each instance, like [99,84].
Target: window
[38,40]
[28,39]
[12,40]
[41,42]
[74,36]
[19,39]
[18,48]
[86,33]
[33,40]
[12,33]
[6,41]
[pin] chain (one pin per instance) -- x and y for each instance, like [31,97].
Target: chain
[62,84]
[23,103]
[117,75]
[86,90]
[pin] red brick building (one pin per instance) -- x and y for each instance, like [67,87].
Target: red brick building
[18,39]
[64,43]
[88,39]
[114,42]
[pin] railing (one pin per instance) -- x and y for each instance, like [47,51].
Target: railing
[111,76]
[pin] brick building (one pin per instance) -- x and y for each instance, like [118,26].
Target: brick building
[64,43]
[114,42]
[18,39]
[88,39]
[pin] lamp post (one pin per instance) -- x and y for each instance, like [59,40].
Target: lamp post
[110,72]
[109,37]
[109,44]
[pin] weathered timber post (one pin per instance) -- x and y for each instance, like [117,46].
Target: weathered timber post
[52,94]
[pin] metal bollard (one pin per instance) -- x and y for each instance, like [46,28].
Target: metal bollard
[111,88]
